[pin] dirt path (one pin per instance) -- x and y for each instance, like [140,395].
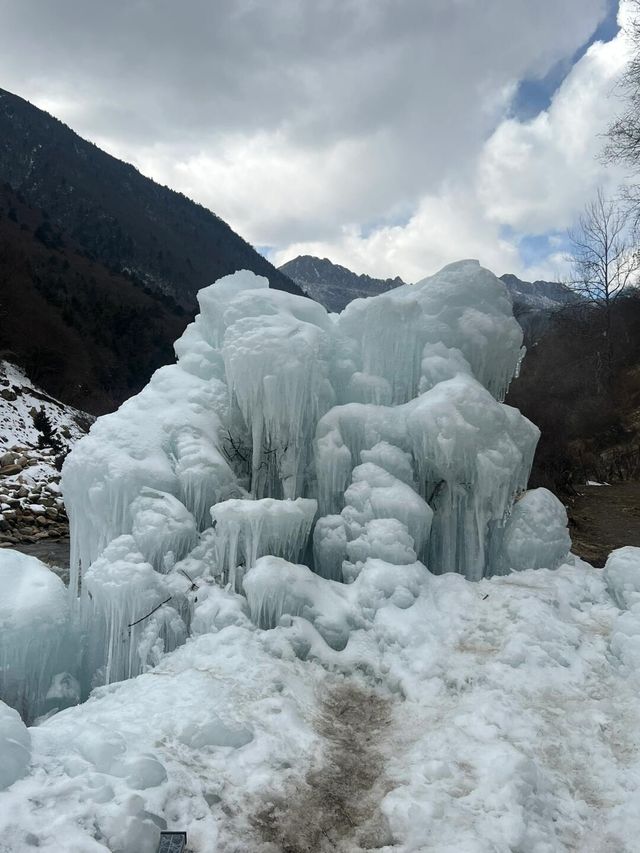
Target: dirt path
[337,807]
[602,518]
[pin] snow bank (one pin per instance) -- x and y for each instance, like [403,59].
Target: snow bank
[494,689]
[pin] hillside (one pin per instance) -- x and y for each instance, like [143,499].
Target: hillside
[36,433]
[87,335]
[116,215]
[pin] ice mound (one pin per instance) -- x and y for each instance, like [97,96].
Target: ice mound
[35,633]
[164,530]
[536,534]
[15,746]
[622,576]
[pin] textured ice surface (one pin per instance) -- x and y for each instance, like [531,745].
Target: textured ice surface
[125,621]
[622,576]
[35,638]
[163,528]
[15,746]
[536,534]
[246,530]
[249,411]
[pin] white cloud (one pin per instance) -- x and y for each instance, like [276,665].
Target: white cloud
[530,177]
[320,126]
[537,175]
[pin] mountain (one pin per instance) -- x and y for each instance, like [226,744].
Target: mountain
[332,285]
[539,294]
[89,336]
[114,214]
[535,303]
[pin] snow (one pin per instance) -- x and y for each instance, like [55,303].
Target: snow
[16,424]
[276,643]
[511,726]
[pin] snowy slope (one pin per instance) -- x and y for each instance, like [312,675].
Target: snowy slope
[497,717]
[18,397]
[28,475]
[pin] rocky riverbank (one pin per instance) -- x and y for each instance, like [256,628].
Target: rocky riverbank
[31,507]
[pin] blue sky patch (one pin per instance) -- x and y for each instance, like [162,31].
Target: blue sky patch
[534,95]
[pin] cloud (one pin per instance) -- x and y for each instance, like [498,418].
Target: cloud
[374,130]
[537,174]
[529,178]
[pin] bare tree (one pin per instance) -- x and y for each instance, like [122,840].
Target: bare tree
[623,145]
[604,260]
[624,133]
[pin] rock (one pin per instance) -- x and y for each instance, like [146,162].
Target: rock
[8,458]
[8,470]
[8,394]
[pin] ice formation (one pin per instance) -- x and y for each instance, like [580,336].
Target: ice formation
[302,447]
[293,509]
[284,432]
[15,746]
[35,638]
[535,535]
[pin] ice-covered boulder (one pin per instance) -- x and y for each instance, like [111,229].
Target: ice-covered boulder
[15,746]
[36,642]
[536,535]
[622,576]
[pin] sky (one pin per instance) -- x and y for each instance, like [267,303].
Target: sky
[391,136]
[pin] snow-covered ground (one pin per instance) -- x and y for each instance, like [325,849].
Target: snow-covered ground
[31,505]
[511,723]
[16,424]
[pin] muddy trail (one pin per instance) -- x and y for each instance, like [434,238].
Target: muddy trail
[602,518]
[337,806]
